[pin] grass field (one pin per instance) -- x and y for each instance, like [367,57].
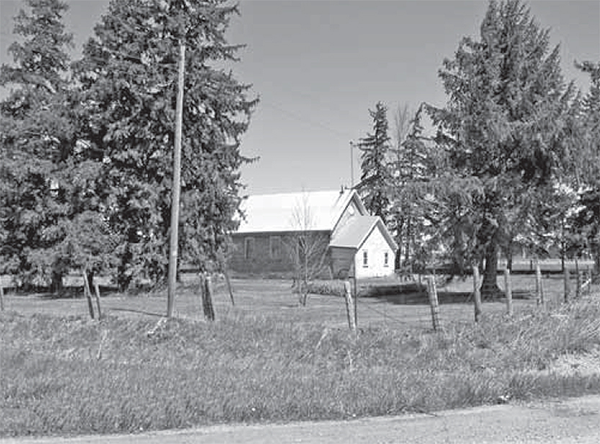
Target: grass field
[268,359]
[274,298]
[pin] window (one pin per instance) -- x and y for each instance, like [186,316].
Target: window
[386,259]
[275,247]
[365,259]
[248,248]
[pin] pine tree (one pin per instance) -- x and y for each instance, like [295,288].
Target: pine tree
[129,77]
[503,124]
[375,178]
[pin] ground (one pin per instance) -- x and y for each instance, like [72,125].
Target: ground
[275,298]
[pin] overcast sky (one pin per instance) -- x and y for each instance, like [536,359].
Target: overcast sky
[318,66]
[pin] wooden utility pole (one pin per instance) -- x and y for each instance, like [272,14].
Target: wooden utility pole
[176,185]
[351,165]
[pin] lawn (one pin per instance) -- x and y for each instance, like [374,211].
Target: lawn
[267,359]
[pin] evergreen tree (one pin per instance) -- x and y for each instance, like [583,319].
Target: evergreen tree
[503,125]
[375,178]
[586,163]
[410,173]
[129,77]
[35,140]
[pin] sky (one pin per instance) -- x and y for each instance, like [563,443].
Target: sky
[318,67]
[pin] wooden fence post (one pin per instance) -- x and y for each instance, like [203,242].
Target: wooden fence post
[207,304]
[229,287]
[577,280]
[97,297]
[433,302]
[539,289]
[1,297]
[567,284]
[508,291]
[349,305]
[87,292]
[476,293]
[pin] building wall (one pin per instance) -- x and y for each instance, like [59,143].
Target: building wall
[341,262]
[271,253]
[375,248]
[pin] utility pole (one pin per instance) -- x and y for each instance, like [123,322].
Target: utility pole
[176,185]
[351,164]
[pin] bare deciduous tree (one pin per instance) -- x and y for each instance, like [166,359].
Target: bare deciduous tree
[307,248]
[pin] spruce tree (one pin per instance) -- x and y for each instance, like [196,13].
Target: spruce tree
[410,171]
[502,126]
[129,77]
[585,161]
[375,177]
[35,140]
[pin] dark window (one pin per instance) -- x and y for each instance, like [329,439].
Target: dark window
[248,247]
[275,247]
[386,259]
[365,259]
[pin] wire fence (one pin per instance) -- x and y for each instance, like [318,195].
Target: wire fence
[390,303]
[456,302]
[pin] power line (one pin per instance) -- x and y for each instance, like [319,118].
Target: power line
[305,120]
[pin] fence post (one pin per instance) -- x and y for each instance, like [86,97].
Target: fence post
[229,287]
[355,300]
[567,284]
[349,305]
[88,293]
[577,280]
[1,297]
[207,305]
[539,289]
[97,296]
[433,302]
[476,293]
[508,291]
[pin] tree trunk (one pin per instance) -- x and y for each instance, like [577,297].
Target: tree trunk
[489,287]
[408,237]
[90,278]
[56,285]
[596,254]
[509,256]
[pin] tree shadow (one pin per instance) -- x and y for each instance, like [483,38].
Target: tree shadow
[421,298]
[136,311]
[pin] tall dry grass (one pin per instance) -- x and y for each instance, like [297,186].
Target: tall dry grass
[69,375]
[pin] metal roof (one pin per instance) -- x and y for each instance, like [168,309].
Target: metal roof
[311,210]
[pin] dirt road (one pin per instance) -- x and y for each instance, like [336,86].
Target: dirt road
[565,422]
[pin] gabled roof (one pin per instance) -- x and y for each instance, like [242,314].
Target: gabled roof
[313,210]
[356,231]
